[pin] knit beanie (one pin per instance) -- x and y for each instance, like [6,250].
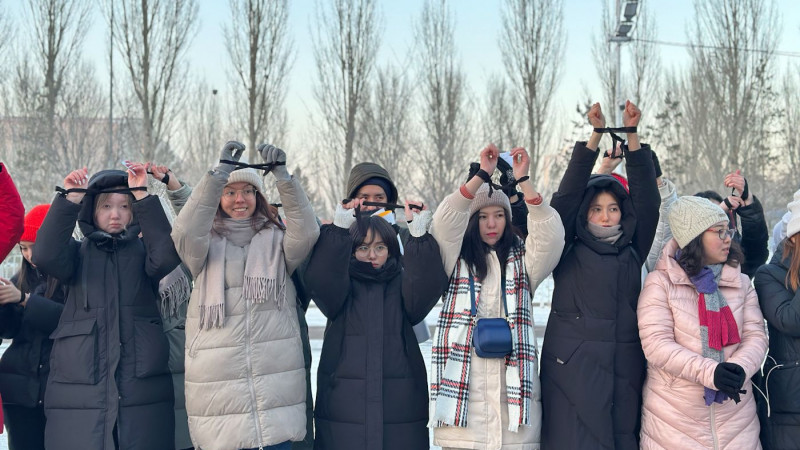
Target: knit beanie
[690,216]
[33,220]
[482,200]
[793,226]
[248,175]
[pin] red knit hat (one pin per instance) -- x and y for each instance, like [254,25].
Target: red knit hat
[33,220]
[622,180]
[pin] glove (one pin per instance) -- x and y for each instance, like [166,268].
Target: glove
[656,164]
[271,154]
[506,177]
[729,379]
[420,223]
[473,169]
[343,218]
[232,151]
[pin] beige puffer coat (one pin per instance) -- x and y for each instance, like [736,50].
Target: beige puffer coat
[674,414]
[487,412]
[246,381]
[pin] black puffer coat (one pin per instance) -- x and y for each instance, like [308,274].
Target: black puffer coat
[592,365]
[108,366]
[754,238]
[781,308]
[371,384]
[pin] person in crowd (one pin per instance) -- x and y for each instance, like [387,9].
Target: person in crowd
[508,184]
[30,306]
[371,382]
[245,377]
[703,336]
[490,400]
[746,207]
[592,366]
[109,385]
[777,286]
[370,182]
[12,213]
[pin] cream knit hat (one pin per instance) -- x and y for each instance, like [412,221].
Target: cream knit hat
[248,175]
[793,226]
[482,200]
[690,216]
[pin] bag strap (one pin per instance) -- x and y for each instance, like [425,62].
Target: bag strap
[474,307]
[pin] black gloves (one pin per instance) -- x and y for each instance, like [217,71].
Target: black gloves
[729,379]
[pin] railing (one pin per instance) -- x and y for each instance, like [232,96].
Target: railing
[11,264]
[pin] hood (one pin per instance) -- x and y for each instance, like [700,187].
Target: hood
[597,183]
[104,179]
[362,172]
[777,257]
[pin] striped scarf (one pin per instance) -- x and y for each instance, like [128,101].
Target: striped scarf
[451,351]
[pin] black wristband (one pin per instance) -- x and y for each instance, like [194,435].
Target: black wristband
[484,175]
[165,180]
[746,192]
[21,297]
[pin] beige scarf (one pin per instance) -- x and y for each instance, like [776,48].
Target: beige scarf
[264,271]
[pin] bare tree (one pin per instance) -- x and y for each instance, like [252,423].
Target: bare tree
[604,62]
[533,45]
[346,36]
[445,113]
[645,61]
[503,116]
[259,47]
[152,36]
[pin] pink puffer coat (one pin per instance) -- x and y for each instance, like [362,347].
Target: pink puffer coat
[674,414]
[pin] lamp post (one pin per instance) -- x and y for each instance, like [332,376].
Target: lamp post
[622,34]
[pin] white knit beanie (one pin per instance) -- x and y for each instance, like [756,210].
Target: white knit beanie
[248,175]
[482,200]
[690,216]
[793,226]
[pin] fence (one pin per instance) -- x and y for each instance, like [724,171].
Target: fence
[11,265]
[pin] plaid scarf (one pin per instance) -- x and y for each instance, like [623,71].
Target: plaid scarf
[451,351]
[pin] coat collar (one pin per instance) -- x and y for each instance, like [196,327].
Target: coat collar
[730,275]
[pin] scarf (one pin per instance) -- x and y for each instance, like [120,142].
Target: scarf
[264,271]
[174,290]
[717,325]
[365,272]
[609,235]
[451,350]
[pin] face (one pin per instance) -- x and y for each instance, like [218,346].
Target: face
[372,250]
[604,210]
[371,193]
[491,224]
[716,250]
[239,200]
[113,214]
[26,247]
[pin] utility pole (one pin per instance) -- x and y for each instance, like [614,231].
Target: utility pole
[622,34]
[111,85]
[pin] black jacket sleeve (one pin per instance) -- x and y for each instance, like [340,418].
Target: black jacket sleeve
[567,199]
[328,273]
[42,313]
[755,236]
[162,258]
[10,320]
[781,307]
[644,196]
[519,215]
[56,253]
[424,278]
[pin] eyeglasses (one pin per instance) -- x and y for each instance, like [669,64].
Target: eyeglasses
[379,250]
[246,192]
[724,233]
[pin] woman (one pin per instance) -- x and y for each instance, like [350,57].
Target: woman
[245,375]
[592,362]
[477,402]
[371,391]
[108,367]
[777,287]
[703,336]
[30,306]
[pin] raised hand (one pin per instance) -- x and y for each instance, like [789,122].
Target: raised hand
[418,221]
[137,177]
[165,175]
[77,179]
[9,294]
[631,115]
[489,157]
[410,211]
[608,164]
[735,180]
[596,117]
[521,162]
[734,201]
[272,154]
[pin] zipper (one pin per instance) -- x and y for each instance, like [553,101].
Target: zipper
[250,373]
[713,420]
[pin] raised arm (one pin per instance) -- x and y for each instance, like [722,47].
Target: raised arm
[328,272]
[424,278]
[668,193]
[178,191]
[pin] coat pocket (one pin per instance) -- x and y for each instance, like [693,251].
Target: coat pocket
[150,347]
[74,355]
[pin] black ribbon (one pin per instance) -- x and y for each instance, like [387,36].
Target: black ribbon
[266,167]
[616,138]
[127,190]
[389,206]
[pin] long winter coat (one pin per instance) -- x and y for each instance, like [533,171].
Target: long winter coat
[12,213]
[781,308]
[592,366]
[754,237]
[487,411]
[108,365]
[674,414]
[371,384]
[245,381]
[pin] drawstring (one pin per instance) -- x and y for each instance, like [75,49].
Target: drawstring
[266,167]
[612,132]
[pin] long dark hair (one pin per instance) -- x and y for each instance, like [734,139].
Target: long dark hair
[474,250]
[263,209]
[692,256]
[381,228]
[791,246]
[28,278]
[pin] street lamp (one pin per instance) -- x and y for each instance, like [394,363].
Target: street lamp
[622,34]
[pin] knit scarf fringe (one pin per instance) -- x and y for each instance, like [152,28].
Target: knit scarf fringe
[212,316]
[259,289]
[174,295]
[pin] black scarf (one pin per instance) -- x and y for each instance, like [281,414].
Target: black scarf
[363,271]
